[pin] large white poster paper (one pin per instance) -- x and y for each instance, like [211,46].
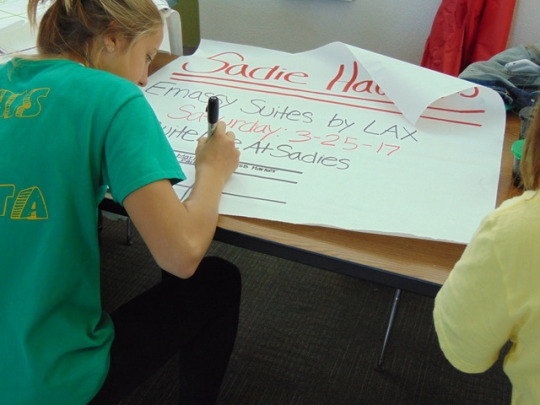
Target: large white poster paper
[340,137]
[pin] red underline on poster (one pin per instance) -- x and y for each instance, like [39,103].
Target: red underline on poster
[275,86]
[214,81]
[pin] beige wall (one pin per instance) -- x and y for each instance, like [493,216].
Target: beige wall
[391,27]
[526,26]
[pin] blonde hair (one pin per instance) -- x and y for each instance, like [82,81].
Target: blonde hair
[72,26]
[530,158]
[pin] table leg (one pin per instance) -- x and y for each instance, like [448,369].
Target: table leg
[129,234]
[393,310]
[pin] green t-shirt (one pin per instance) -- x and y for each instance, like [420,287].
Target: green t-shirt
[66,134]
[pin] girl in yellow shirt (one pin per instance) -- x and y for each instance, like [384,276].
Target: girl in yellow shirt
[492,296]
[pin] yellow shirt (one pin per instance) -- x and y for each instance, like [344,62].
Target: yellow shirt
[493,296]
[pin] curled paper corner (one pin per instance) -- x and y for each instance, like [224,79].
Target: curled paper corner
[410,87]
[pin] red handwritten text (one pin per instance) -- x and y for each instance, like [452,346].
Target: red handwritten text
[228,63]
[351,83]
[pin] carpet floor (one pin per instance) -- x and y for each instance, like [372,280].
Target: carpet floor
[308,336]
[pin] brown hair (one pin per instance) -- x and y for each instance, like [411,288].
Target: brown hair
[530,158]
[72,26]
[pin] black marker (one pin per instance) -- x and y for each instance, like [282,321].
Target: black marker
[212,111]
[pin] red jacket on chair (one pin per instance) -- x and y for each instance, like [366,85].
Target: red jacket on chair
[467,31]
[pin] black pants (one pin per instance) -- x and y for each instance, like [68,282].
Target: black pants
[197,318]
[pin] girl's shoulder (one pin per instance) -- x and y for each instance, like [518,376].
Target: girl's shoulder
[70,75]
[516,217]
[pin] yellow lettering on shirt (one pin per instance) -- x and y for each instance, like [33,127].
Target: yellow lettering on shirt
[21,105]
[7,191]
[29,203]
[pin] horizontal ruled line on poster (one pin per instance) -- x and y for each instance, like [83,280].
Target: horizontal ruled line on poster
[311,96]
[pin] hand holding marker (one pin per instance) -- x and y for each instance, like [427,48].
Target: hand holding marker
[212,112]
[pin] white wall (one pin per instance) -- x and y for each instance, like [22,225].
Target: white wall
[391,27]
[526,26]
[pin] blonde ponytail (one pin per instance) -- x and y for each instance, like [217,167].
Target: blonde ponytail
[72,26]
[530,158]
